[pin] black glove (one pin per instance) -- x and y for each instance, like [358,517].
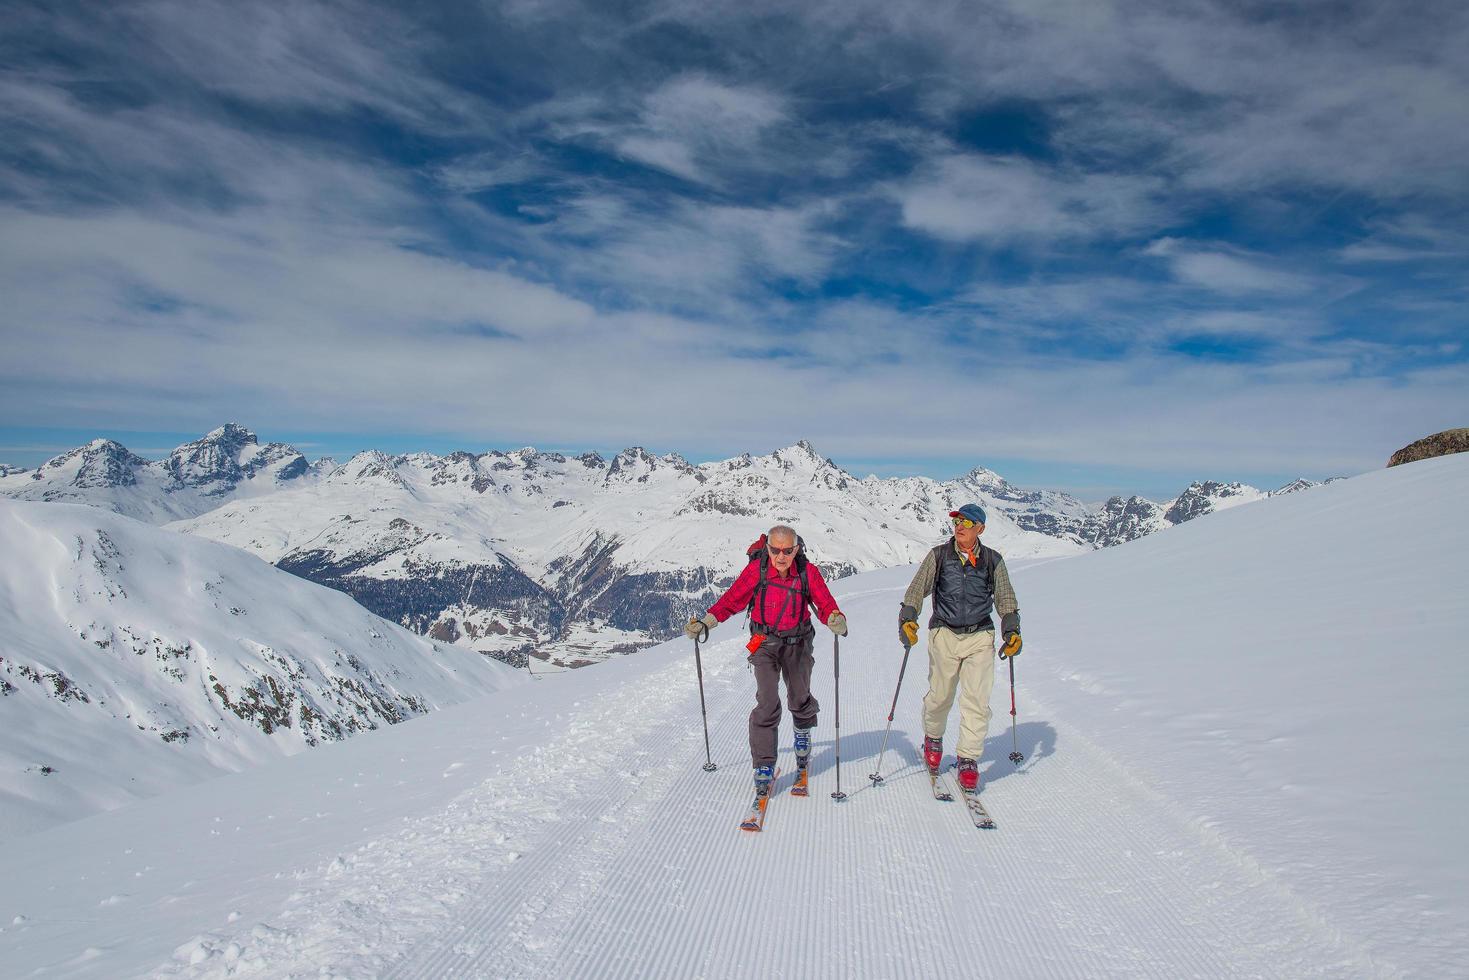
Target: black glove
[908,626]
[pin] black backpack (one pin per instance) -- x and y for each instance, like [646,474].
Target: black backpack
[757,553]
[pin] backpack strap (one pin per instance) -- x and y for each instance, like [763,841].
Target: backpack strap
[758,552]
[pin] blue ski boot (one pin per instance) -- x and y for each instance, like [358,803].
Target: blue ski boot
[803,755]
[764,776]
[803,747]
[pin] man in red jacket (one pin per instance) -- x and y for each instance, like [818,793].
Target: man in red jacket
[777,588]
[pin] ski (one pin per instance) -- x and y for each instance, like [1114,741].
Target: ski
[977,812]
[800,787]
[939,791]
[755,820]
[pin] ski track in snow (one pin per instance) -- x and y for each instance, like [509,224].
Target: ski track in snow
[609,852]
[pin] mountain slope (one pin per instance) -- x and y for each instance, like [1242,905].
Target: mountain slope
[1209,789]
[134,659]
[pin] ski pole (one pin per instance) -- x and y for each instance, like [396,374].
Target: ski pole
[1015,755]
[709,765]
[876,776]
[836,668]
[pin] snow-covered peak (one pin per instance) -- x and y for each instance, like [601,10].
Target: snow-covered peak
[231,433]
[368,465]
[217,464]
[802,454]
[677,462]
[1208,496]
[194,478]
[981,476]
[1295,486]
[632,465]
[100,464]
[1120,521]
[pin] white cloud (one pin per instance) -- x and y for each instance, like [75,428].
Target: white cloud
[1247,323]
[1231,274]
[693,126]
[966,197]
[1227,271]
[669,155]
[325,56]
[177,266]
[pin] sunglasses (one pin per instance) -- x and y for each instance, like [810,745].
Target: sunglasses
[963,522]
[781,551]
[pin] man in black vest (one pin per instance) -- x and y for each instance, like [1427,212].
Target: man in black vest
[967,581]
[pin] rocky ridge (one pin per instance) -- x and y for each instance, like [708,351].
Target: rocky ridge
[1439,444]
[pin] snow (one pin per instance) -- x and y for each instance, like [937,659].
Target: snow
[134,659]
[1245,756]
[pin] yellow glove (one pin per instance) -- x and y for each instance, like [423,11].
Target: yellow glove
[1012,645]
[908,626]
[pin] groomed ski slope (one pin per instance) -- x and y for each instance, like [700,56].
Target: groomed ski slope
[1245,756]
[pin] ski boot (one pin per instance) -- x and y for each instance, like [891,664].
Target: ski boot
[764,776]
[968,775]
[803,757]
[933,753]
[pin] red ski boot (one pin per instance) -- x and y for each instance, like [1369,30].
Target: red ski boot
[933,753]
[968,775]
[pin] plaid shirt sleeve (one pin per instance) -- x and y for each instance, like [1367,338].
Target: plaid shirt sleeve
[922,585]
[1005,601]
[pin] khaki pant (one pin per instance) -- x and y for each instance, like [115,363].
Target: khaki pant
[968,662]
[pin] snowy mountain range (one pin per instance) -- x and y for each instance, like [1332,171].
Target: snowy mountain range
[568,559]
[134,660]
[1245,771]
[193,479]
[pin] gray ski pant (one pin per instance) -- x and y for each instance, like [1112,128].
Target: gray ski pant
[776,659]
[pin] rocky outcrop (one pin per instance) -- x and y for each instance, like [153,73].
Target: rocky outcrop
[1204,498]
[1120,521]
[1439,444]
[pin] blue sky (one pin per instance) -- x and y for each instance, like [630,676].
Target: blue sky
[1105,247]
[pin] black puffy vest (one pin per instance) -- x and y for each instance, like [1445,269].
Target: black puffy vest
[963,594]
